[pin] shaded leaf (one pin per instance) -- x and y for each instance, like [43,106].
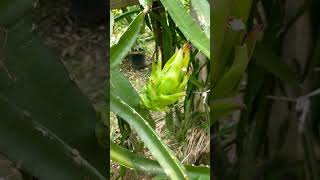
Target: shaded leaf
[221,109]
[46,156]
[231,78]
[169,121]
[265,58]
[35,80]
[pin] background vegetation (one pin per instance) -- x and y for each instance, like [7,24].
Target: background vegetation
[275,45]
[167,25]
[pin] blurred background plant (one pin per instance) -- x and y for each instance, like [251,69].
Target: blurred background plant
[265,90]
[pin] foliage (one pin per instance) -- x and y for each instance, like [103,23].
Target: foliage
[129,109]
[47,126]
[251,73]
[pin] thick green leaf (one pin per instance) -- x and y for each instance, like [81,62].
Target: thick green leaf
[229,22]
[38,150]
[242,10]
[220,14]
[33,78]
[202,8]
[119,50]
[12,10]
[121,86]
[187,25]
[138,162]
[265,58]
[167,40]
[230,79]
[158,149]
[126,14]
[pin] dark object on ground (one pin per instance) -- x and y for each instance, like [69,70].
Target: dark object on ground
[138,60]
[91,12]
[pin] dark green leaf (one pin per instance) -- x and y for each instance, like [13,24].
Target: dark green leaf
[226,86]
[119,50]
[126,14]
[267,59]
[37,149]
[221,109]
[169,121]
[33,78]
[187,25]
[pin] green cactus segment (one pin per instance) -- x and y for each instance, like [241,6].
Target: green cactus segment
[166,85]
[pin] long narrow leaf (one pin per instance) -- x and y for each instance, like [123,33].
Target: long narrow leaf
[119,50]
[126,14]
[170,164]
[138,162]
[265,58]
[229,22]
[230,79]
[37,149]
[202,8]
[220,14]
[187,25]
[34,78]
[121,86]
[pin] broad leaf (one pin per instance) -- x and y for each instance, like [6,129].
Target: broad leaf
[33,78]
[38,150]
[226,86]
[119,50]
[138,162]
[158,149]
[265,58]
[186,24]
[121,86]
[202,9]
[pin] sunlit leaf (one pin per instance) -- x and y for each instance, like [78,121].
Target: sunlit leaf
[158,149]
[187,25]
[119,50]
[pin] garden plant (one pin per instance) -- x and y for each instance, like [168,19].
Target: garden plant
[179,40]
